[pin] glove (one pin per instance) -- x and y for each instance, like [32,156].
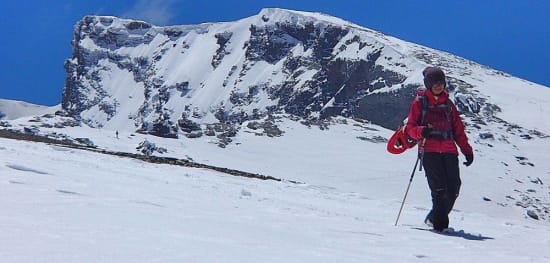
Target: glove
[426,131]
[469,159]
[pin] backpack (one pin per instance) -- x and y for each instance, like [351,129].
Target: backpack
[447,106]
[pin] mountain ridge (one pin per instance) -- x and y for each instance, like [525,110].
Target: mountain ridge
[208,79]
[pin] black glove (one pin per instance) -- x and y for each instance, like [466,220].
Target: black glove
[469,159]
[426,131]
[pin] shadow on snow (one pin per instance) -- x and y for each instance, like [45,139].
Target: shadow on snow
[458,233]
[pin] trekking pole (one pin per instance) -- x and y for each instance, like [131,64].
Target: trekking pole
[421,151]
[420,158]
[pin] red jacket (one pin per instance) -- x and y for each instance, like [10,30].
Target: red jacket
[439,145]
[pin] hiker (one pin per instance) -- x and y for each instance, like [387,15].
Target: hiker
[116,134]
[434,121]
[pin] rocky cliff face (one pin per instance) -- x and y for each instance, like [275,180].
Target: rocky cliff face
[210,79]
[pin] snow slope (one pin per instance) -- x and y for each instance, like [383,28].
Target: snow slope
[12,109]
[67,205]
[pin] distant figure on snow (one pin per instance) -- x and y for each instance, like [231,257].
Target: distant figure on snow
[116,133]
[434,121]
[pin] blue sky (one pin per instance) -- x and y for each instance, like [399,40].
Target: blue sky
[512,36]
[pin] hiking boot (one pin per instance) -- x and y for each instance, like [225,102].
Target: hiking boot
[447,231]
[428,220]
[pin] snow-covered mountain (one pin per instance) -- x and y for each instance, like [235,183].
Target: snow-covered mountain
[303,97]
[208,79]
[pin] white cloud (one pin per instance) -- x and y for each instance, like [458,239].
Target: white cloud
[158,12]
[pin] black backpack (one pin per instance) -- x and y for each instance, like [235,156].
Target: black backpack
[448,114]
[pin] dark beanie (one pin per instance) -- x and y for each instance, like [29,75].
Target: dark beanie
[432,76]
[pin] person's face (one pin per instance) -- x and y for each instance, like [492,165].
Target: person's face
[438,88]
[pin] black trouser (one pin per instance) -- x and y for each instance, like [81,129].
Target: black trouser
[443,177]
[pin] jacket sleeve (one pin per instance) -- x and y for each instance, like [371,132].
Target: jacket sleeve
[460,135]
[413,129]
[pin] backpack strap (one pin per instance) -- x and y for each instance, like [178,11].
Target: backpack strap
[448,115]
[424,106]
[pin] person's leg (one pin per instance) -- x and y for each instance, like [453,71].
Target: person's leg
[435,168]
[452,179]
